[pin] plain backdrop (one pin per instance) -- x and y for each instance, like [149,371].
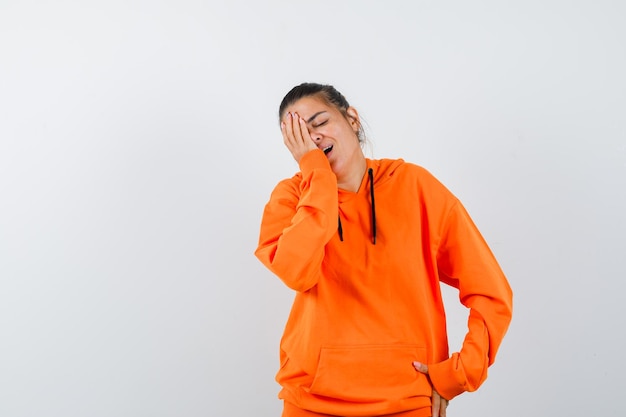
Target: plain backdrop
[139,142]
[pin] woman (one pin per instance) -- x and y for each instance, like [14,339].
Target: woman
[365,244]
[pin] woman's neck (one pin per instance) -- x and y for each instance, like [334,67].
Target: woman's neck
[352,180]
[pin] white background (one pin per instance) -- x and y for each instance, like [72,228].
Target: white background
[139,142]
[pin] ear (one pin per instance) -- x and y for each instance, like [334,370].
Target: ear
[353,118]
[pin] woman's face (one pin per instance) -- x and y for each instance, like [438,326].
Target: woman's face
[331,131]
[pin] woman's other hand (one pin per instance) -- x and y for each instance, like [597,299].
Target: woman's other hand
[439,404]
[296,136]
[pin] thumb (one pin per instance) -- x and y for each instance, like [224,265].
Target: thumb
[423,368]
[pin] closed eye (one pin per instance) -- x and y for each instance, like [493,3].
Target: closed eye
[320,124]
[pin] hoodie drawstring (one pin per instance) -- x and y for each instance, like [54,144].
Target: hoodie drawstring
[340,229]
[370,174]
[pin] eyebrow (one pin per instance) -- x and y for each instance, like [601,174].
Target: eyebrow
[315,115]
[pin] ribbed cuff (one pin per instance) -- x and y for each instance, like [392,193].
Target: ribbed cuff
[448,377]
[312,160]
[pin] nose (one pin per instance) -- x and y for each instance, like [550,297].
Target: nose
[316,136]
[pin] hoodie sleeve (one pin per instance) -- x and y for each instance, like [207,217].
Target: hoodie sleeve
[297,223]
[465,261]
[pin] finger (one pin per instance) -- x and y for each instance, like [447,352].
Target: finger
[436,404]
[290,138]
[288,131]
[304,129]
[297,129]
[283,129]
[444,407]
[421,367]
[306,136]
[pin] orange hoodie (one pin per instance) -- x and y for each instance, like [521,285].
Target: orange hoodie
[368,300]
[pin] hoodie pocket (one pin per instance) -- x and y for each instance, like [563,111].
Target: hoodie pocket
[370,373]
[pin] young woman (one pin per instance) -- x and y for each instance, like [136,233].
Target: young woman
[365,244]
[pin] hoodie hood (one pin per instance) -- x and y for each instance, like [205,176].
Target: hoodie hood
[382,171]
[376,174]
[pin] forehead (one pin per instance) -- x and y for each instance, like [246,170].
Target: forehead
[307,106]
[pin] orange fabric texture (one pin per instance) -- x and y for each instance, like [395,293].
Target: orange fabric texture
[363,312]
[291,410]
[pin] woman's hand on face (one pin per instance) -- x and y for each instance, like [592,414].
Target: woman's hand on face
[439,404]
[296,136]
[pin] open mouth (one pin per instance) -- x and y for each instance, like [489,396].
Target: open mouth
[328,149]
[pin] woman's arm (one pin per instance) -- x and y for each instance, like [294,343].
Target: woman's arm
[300,218]
[298,222]
[465,261]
